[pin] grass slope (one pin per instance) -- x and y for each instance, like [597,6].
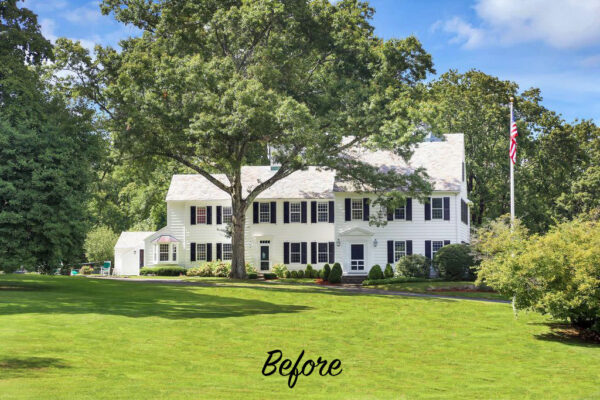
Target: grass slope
[78,338]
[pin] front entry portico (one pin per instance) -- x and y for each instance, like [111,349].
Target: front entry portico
[354,244]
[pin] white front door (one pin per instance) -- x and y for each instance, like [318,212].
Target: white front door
[357,258]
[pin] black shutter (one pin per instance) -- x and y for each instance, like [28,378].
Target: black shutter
[209,215]
[255,212]
[219,248]
[331,252]
[347,209]
[365,209]
[192,251]
[408,247]
[446,242]
[286,212]
[331,212]
[447,208]
[428,209]
[286,252]
[303,212]
[313,212]
[313,252]
[208,251]
[428,249]
[390,215]
[219,215]
[390,251]
[303,250]
[193,215]
[273,212]
[408,213]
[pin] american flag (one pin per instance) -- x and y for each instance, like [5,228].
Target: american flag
[513,142]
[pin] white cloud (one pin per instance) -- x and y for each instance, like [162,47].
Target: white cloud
[47,26]
[591,61]
[558,23]
[88,14]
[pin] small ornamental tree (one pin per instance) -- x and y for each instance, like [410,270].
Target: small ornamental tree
[99,244]
[326,272]
[454,262]
[389,271]
[211,84]
[375,272]
[335,276]
[413,266]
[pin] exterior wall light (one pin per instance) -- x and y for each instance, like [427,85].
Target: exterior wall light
[338,243]
[374,242]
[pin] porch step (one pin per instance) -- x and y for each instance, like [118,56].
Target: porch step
[353,278]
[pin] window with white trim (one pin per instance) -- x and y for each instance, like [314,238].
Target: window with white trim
[200,251]
[295,212]
[174,251]
[264,212]
[227,215]
[435,246]
[323,211]
[163,252]
[437,208]
[400,213]
[357,209]
[323,252]
[200,215]
[399,250]
[294,252]
[227,252]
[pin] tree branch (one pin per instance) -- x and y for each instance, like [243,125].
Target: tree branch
[200,171]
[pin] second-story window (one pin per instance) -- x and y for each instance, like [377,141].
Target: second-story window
[323,211]
[265,212]
[227,213]
[200,215]
[295,212]
[400,213]
[437,208]
[357,209]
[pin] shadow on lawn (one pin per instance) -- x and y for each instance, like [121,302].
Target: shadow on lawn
[565,334]
[11,367]
[85,296]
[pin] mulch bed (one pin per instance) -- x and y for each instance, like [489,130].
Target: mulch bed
[460,289]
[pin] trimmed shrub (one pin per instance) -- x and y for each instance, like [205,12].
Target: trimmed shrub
[279,270]
[335,276]
[250,269]
[309,271]
[287,274]
[300,274]
[222,269]
[294,274]
[269,275]
[413,266]
[389,272]
[319,273]
[204,270]
[375,272]
[252,275]
[399,279]
[165,270]
[326,272]
[454,262]
[86,270]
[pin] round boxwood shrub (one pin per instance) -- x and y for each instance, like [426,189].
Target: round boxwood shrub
[252,275]
[375,272]
[413,266]
[335,276]
[454,262]
[309,270]
[86,270]
[326,271]
[389,271]
[287,274]
[294,274]
[300,274]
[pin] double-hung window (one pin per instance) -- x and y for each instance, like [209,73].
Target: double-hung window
[399,250]
[295,212]
[435,246]
[322,253]
[400,213]
[437,208]
[201,251]
[294,252]
[163,252]
[200,215]
[265,212]
[174,251]
[357,209]
[227,252]
[227,213]
[323,211]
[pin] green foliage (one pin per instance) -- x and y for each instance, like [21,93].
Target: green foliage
[252,275]
[164,270]
[389,271]
[326,272]
[269,276]
[308,273]
[454,262]
[100,243]
[557,273]
[204,270]
[294,274]
[221,269]
[250,269]
[279,270]
[287,274]
[86,270]
[398,279]
[413,266]
[335,276]
[300,273]
[375,272]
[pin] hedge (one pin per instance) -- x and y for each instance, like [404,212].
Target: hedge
[165,270]
[400,279]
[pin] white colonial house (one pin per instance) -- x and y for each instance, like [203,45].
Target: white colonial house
[310,217]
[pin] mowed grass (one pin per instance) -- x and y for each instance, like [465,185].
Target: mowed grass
[439,288]
[80,338]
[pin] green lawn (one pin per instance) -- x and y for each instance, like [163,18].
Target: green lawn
[79,338]
[425,287]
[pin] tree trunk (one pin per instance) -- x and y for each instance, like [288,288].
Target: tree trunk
[238,225]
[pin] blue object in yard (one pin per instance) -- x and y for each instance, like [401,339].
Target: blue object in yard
[74,272]
[105,269]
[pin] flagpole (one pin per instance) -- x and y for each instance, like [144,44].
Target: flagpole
[512,180]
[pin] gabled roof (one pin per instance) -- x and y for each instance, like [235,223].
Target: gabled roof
[128,240]
[442,161]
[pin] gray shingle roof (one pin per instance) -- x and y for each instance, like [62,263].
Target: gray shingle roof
[442,161]
[128,240]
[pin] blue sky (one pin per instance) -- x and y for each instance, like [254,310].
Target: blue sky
[550,44]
